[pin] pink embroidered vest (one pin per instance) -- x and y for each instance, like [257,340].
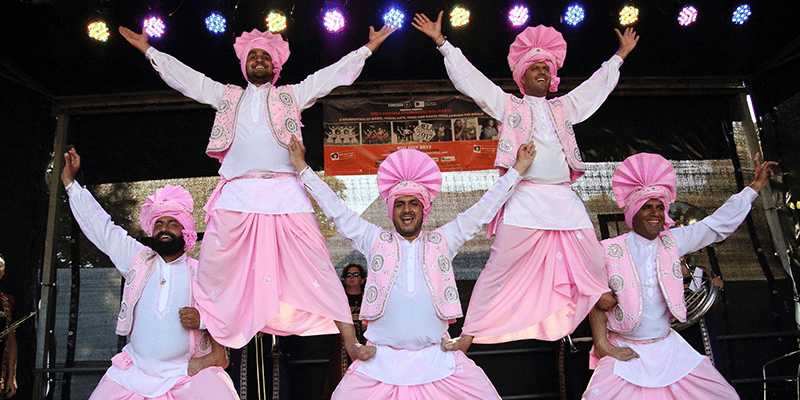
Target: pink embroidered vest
[135,280]
[283,115]
[517,129]
[623,279]
[436,268]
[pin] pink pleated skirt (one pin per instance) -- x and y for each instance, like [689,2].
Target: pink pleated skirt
[537,284]
[212,383]
[469,382]
[267,273]
[704,382]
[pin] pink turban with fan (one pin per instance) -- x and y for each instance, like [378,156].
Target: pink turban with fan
[642,177]
[540,43]
[170,201]
[408,172]
[272,43]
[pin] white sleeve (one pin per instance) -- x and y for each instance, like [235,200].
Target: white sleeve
[96,224]
[585,99]
[716,226]
[342,73]
[471,82]
[350,225]
[469,223]
[191,83]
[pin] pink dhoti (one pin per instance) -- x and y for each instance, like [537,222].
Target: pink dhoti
[209,384]
[268,273]
[467,382]
[703,382]
[537,284]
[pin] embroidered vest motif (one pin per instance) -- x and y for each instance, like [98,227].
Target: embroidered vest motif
[135,280]
[517,129]
[436,268]
[624,280]
[283,115]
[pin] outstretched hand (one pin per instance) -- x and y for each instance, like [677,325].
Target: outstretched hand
[430,28]
[72,163]
[627,41]
[525,156]
[377,37]
[138,40]
[763,172]
[297,154]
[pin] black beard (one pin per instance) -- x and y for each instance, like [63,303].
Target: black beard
[166,248]
[259,78]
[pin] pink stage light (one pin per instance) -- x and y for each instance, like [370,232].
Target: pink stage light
[687,16]
[333,20]
[518,15]
[154,27]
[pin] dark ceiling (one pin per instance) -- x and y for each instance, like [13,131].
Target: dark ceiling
[48,42]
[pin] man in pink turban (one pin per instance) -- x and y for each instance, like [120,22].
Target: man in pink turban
[640,356]
[263,265]
[410,295]
[545,271]
[168,356]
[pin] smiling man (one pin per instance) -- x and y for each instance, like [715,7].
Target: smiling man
[640,356]
[263,265]
[411,295]
[545,271]
[167,356]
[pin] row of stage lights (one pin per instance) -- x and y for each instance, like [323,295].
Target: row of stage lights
[333,20]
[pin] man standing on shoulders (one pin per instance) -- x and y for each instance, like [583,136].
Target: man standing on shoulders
[167,356]
[545,271]
[411,295]
[640,356]
[263,266]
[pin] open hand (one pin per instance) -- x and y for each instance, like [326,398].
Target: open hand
[627,41]
[430,28]
[138,40]
[377,37]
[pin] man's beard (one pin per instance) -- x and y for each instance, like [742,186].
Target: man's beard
[166,248]
[260,78]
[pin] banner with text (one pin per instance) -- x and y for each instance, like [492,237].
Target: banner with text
[360,133]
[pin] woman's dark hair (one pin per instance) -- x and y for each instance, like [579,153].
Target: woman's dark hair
[360,269]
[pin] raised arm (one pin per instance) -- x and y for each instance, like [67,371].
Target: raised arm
[431,28]
[349,224]
[342,73]
[726,219]
[177,75]
[95,223]
[137,40]
[465,77]
[469,223]
[377,37]
[627,41]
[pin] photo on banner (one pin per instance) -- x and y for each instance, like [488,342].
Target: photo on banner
[361,133]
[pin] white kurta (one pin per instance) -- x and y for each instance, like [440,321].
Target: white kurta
[254,148]
[409,333]
[669,360]
[551,205]
[159,345]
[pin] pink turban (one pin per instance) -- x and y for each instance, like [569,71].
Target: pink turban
[540,43]
[274,44]
[170,201]
[408,172]
[642,177]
